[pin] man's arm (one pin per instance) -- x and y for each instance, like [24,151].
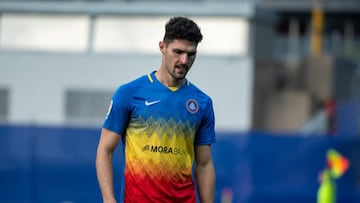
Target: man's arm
[107,144]
[205,173]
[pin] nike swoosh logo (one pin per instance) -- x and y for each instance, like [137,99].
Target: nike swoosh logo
[147,103]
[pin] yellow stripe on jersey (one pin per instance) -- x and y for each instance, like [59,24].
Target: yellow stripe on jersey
[151,80]
[176,88]
[173,88]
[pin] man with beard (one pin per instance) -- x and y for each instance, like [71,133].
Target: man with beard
[166,125]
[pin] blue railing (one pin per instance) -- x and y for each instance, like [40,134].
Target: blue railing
[57,164]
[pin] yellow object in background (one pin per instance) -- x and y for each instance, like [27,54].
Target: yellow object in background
[336,166]
[327,189]
[337,163]
[317,24]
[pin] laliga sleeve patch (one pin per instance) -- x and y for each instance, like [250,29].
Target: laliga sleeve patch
[109,109]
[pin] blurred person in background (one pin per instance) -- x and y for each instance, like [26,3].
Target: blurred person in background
[166,124]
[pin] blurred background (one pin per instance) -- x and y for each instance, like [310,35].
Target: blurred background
[284,76]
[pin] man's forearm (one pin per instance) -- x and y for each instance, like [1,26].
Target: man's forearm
[105,176]
[205,177]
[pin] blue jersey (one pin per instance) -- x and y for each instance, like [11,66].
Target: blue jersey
[160,128]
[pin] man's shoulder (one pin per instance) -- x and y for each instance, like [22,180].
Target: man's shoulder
[135,83]
[132,86]
[198,91]
[139,80]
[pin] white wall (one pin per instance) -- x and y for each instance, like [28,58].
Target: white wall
[229,82]
[37,83]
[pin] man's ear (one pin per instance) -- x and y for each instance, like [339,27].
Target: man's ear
[162,47]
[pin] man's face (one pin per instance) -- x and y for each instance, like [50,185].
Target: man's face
[178,56]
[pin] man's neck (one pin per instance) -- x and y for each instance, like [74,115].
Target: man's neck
[168,81]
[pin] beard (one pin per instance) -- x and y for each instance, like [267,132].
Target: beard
[179,71]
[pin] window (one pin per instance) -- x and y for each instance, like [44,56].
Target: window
[83,33]
[87,107]
[4,104]
[44,32]
[222,35]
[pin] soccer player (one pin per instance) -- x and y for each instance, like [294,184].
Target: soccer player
[166,124]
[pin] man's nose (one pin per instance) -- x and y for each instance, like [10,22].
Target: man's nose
[184,58]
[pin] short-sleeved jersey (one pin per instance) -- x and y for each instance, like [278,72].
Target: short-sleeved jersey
[159,129]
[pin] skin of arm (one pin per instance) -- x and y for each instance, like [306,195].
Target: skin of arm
[107,144]
[205,173]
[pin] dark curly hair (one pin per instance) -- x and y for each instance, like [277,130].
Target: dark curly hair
[182,28]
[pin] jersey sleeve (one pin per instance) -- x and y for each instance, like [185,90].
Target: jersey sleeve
[118,114]
[206,132]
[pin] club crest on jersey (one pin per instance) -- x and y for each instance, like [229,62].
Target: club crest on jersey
[192,106]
